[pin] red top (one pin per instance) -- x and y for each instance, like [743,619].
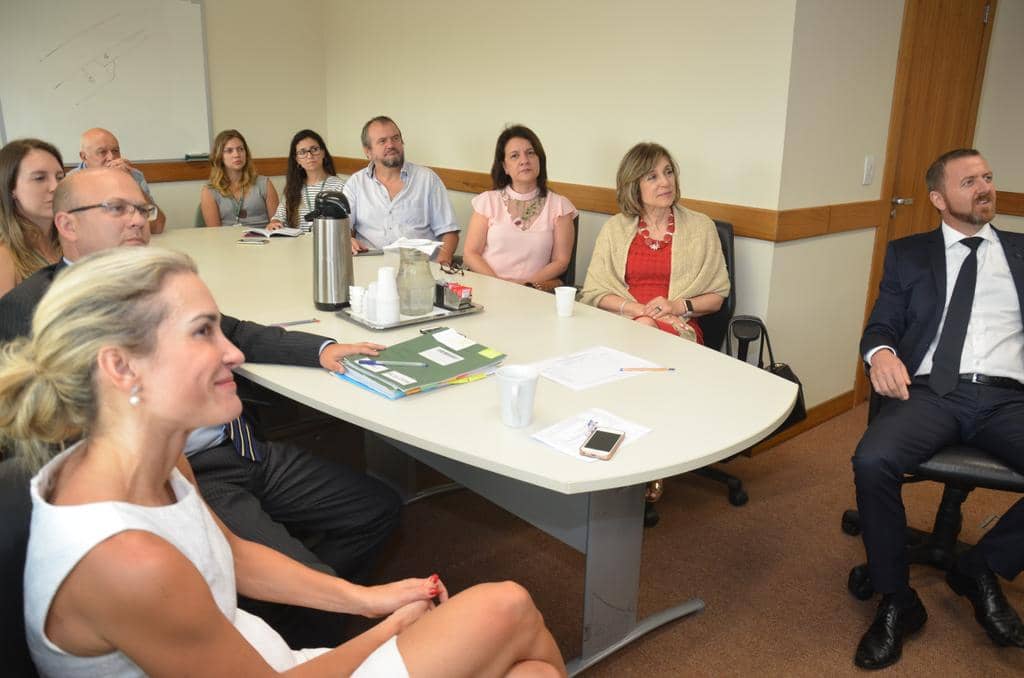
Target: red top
[647,276]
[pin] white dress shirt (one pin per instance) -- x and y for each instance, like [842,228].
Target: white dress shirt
[994,345]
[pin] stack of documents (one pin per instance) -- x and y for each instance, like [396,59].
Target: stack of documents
[427,362]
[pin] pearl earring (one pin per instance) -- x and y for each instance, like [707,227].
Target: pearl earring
[134,399]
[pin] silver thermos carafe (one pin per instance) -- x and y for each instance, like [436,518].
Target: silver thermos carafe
[332,251]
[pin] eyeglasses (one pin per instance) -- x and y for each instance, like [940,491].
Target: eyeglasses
[120,208]
[312,150]
[452,269]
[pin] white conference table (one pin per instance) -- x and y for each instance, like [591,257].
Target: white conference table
[711,407]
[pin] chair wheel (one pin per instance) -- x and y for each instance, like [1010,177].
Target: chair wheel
[651,516]
[738,497]
[859,583]
[851,523]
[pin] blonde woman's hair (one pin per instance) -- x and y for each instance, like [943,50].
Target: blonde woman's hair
[635,165]
[16,231]
[218,174]
[47,387]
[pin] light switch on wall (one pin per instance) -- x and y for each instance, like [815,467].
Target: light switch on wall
[869,170]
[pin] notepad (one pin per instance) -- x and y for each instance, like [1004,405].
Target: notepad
[267,233]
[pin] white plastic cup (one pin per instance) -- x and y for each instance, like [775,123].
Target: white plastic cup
[370,303]
[565,300]
[517,385]
[387,286]
[355,299]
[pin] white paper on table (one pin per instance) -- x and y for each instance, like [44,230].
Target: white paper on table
[568,435]
[591,367]
[454,340]
[441,356]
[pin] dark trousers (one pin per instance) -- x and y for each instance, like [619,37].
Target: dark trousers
[904,434]
[292,498]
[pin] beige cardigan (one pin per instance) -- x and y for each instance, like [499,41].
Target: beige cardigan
[698,266]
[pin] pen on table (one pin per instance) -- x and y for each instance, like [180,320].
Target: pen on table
[647,369]
[291,323]
[395,363]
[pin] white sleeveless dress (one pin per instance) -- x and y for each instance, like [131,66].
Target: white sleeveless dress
[61,536]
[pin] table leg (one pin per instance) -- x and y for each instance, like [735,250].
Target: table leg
[606,525]
[614,541]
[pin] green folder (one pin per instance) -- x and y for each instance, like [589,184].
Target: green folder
[444,366]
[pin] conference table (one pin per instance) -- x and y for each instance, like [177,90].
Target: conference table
[711,407]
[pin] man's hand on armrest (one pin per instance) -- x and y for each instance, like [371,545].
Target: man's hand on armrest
[889,375]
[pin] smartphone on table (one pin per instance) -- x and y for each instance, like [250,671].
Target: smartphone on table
[602,443]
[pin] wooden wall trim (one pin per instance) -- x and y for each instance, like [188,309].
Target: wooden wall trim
[1010,203]
[748,222]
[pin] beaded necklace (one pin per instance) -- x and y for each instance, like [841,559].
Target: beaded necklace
[528,209]
[664,242]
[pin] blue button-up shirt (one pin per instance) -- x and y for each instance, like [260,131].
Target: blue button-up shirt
[420,210]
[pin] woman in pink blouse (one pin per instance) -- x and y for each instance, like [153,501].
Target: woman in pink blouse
[520,231]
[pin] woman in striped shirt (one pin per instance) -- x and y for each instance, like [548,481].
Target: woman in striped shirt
[310,171]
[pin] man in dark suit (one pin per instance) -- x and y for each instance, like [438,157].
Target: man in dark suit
[278,492]
[945,347]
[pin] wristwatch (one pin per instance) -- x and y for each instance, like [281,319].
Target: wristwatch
[689,308]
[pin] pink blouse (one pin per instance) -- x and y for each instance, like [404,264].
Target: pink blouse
[513,253]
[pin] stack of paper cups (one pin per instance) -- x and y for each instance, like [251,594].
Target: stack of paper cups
[355,299]
[370,303]
[387,295]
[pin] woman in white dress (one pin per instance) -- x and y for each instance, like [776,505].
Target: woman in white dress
[128,573]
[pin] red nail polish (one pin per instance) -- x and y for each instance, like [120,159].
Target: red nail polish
[434,578]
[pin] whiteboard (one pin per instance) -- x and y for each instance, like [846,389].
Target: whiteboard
[135,67]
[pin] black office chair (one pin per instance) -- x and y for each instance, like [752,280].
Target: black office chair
[961,469]
[715,326]
[569,277]
[16,509]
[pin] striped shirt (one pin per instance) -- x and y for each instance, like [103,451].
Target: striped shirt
[308,201]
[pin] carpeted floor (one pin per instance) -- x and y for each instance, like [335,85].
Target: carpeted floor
[772,573]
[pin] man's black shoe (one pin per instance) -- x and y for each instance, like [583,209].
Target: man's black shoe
[882,644]
[991,608]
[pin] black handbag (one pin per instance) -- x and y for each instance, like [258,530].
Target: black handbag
[746,329]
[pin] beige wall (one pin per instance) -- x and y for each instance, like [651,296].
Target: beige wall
[591,77]
[999,133]
[267,80]
[840,95]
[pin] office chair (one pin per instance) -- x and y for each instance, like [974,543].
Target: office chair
[16,509]
[961,469]
[714,326]
[569,277]
[200,220]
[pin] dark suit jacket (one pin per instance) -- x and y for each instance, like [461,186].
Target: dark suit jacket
[912,294]
[259,343]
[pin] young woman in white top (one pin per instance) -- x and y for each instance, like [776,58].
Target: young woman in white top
[236,194]
[310,171]
[128,573]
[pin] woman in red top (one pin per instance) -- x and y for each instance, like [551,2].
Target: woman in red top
[656,262]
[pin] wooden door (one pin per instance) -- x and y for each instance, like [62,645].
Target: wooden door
[943,46]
